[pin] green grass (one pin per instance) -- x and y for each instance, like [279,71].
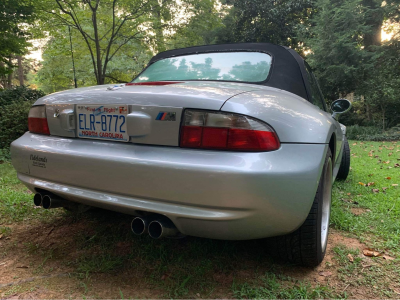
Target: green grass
[371,186]
[269,286]
[16,199]
[100,242]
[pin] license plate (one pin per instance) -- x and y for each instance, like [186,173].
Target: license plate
[104,122]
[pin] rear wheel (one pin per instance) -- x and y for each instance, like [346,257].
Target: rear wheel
[344,168]
[307,245]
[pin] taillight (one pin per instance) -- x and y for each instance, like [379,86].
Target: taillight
[37,121]
[226,131]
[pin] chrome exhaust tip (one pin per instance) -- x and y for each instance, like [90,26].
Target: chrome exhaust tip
[162,228]
[51,201]
[139,225]
[37,199]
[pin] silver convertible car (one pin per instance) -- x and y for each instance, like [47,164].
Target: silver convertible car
[229,142]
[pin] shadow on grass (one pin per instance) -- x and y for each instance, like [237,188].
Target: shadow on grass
[100,242]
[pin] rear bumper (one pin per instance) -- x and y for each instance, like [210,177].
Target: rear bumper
[213,194]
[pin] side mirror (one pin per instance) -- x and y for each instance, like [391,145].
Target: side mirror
[340,106]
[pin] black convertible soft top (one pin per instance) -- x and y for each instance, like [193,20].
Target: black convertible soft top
[288,70]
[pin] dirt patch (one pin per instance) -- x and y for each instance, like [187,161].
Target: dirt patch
[99,265]
[358,211]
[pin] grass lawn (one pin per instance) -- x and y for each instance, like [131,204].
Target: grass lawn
[56,254]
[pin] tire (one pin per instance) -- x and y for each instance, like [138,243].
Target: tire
[344,168]
[307,245]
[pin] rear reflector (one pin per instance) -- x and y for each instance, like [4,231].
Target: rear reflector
[37,121]
[226,131]
[154,83]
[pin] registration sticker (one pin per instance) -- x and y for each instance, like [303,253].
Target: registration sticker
[105,122]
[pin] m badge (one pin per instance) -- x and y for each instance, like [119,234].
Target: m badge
[166,116]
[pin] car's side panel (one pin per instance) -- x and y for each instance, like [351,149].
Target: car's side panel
[294,119]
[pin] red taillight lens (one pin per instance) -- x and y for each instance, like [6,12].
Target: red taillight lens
[225,131]
[37,121]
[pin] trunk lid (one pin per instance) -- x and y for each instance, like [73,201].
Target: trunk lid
[145,105]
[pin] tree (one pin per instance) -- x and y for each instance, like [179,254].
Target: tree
[348,56]
[273,21]
[202,20]
[105,26]
[56,72]
[14,35]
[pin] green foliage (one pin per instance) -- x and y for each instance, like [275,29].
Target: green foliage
[14,107]
[265,21]
[13,35]
[355,131]
[372,133]
[200,28]
[337,46]
[348,57]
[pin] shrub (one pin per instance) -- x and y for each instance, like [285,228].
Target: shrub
[370,133]
[14,109]
[353,132]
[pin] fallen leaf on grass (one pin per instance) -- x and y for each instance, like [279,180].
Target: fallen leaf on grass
[397,165]
[375,190]
[387,257]
[395,184]
[370,183]
[388,178]
[361,183]
[325,273]
[350,257]
[354,144]
[371,175]
[371,253]
[384,188]
[386,162]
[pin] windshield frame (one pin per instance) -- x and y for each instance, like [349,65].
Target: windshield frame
[214,80]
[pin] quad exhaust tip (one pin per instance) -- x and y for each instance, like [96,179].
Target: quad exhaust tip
[37,199]
[48,200]
[139,225]
[156,228]
[162,228]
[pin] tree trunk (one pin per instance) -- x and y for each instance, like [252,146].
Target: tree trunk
[157,26]
[99,75]
[3,80]
[10,75]
[20,70]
